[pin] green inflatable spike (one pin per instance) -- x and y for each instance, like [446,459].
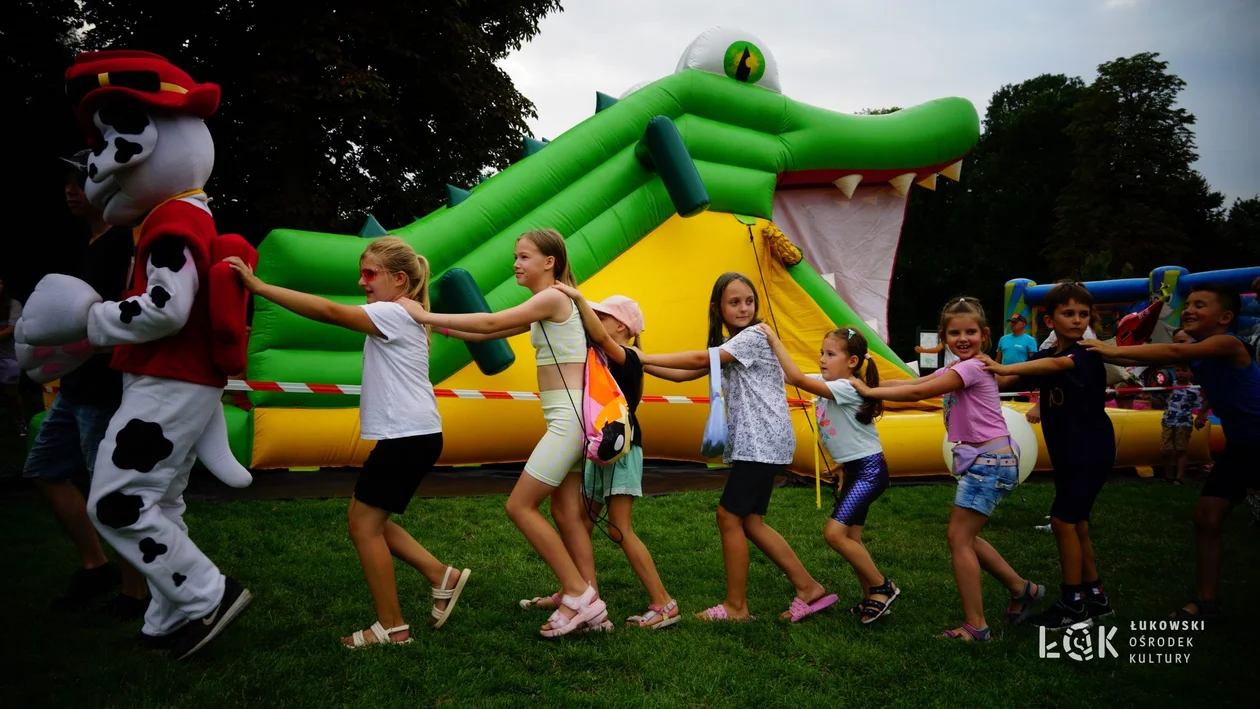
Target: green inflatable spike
[603,100]
[455,195]
[662,149]
[372,228]
[459,293]
[529,146]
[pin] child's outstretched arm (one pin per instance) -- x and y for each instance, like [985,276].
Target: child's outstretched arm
[674,375]
[695,359]
[1005,381]
[594,328]
[1214,347]
[351,317]
[792,374]
[1043,367]
[938,386]
[544,305]
[479,336]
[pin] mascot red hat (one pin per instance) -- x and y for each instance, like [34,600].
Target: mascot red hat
[148,78]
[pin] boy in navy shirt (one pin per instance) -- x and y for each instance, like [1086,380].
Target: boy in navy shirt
[1081,443]
[1225,368]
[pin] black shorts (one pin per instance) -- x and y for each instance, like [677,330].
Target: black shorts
[748,488]
[1075,489]
[394,469]
[1235,470]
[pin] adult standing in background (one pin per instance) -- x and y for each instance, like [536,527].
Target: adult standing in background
[73,428]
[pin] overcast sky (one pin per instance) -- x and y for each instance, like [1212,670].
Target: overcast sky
[852,54]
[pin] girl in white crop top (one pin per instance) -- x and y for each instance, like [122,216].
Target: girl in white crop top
[555,327]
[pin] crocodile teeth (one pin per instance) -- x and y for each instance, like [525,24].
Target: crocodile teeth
[847,184]
[928,182]
[902,183]
[953,172]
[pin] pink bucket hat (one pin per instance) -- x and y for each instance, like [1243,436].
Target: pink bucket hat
[626,312]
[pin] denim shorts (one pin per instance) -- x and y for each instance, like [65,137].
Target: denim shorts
[986,482]
[68,428]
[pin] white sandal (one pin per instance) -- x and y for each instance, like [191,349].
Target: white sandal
[449,595]
[382,636]
[645,620]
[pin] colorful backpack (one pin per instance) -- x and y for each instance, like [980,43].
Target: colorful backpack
[605,412]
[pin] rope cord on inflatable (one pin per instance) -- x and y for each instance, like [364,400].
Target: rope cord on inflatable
[808,418]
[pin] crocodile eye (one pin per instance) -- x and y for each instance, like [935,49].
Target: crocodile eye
[734,54]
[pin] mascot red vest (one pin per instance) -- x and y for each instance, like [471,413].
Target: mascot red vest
[176,335]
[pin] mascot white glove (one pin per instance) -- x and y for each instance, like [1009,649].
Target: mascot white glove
[57,312]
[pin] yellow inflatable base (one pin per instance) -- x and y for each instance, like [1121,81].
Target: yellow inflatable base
[296,438]
[670,272]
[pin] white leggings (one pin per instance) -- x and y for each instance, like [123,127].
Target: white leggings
[137,494]
[560,450]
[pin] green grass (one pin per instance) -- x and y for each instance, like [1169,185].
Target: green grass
[299,563]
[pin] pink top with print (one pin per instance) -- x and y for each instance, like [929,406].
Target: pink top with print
[973,414]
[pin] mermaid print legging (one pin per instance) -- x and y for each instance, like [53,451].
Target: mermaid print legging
[865,479]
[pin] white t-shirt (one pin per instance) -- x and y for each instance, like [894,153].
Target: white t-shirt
[397,399]
[844,437]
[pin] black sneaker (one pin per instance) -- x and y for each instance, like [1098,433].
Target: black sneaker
[1061,615]
[86,586]
[1097,605]
[155,643]
[197,633]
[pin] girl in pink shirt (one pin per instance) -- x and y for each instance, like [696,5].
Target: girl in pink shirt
[986,463]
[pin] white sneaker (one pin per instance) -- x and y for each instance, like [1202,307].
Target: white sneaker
[1042,528]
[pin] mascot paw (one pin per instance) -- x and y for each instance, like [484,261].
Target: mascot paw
[45,363]
[57,311]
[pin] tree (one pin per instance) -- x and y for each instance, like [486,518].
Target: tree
[1132,192]
[38,39]
[968,238]
[878,111]
[334,109]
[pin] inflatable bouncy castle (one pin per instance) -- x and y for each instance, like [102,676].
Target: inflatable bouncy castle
[707,170]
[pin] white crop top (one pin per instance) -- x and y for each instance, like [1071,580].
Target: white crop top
[568,340]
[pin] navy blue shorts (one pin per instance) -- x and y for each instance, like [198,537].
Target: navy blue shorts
[1235,470]
[865,479]
[67,440]
[1075,489]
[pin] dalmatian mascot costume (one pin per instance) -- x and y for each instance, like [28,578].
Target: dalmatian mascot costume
[178,333]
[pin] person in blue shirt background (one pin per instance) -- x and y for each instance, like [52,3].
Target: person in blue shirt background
[1018,346]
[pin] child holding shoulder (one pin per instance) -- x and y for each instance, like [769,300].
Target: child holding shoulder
[986,463]
[615,325]
[398,410]
[760,443]
[1081,443]
[554,324]
[1225,367]
[846,424]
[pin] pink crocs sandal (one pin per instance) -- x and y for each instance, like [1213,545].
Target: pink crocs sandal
[589,610]
[800,609]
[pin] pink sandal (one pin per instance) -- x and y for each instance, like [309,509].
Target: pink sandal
[645,620]
[800,609]
[718,612]
[589,611]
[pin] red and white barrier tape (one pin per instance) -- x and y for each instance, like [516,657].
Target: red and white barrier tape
[355,390]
